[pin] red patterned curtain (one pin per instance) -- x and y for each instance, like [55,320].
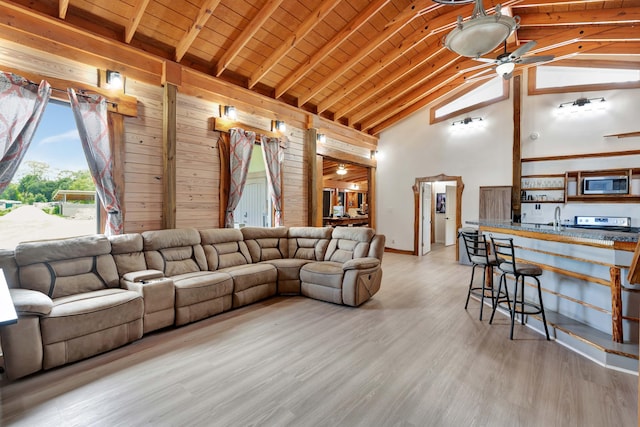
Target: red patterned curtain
[273,155]
[90,112]
[21,106]
[241,146]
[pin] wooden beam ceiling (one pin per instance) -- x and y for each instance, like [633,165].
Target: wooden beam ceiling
[366,65]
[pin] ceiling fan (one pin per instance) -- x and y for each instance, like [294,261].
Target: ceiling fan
[506,62]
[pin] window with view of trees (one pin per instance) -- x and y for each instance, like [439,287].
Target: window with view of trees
[52,194]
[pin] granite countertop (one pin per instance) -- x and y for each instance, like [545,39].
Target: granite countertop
[585,233]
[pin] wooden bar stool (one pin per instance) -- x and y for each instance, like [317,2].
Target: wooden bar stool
[478,251]
[504,250]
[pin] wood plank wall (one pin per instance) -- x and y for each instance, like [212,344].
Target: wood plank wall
[198,165]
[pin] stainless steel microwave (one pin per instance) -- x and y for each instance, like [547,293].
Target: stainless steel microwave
[605,185]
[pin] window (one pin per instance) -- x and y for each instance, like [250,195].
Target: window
[52,194]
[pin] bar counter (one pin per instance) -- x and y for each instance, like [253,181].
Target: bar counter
[590,305]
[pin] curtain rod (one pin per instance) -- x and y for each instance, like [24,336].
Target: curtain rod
[81,92]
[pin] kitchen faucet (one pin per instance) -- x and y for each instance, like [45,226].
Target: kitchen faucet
[556,217]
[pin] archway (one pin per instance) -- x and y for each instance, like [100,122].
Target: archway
[416,206]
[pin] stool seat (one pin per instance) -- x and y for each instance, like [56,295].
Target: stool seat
[523,269]
[503,248]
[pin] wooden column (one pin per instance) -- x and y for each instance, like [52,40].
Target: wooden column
[517,152]
[314,164]
[169,155]
[616,304]
[371,188]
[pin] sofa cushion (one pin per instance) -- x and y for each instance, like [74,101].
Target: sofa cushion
[224,247]
[266,243]
[127,252]
[174,252]
[248,276]
[325,273]
[288,269]
[348,243]
[81,314]
[309,242]
[193,288]
[64,267]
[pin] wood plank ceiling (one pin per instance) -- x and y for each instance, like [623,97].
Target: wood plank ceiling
[365,64]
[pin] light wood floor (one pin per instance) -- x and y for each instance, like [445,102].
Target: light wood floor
[412,356]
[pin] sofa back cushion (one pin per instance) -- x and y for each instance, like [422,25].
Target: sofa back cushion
[174,252]
[309,242]
[127,253]
[265,244]
[64,267]
[9,267]
[224,247]
[349,243]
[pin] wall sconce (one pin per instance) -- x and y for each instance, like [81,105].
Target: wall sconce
[229,112]
[115,80]
[374,154]
[341,170]
[466,121]
[581,102]
[321,138]
[278,126]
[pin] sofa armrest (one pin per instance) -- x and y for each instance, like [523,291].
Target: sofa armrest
[142,276]
[361,263]
[30,303]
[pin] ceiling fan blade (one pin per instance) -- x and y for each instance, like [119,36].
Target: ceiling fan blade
[487,60]
[533,59]
[522,49]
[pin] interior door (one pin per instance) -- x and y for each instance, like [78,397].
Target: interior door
[254,207]
[426,218]
[451,208]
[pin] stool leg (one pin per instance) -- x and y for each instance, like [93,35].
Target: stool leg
[484,275]
[544,319]
[522,300]
[470,286]
[513,309]
[497,298]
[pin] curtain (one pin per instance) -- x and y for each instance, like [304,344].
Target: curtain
[241,146]
[273,155]
[90,112]
[21,106]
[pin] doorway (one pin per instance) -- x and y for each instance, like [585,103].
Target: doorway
[450,208]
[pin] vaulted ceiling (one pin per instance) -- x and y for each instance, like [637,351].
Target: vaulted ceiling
[365,64]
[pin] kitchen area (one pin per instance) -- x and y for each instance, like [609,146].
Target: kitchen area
[579,222]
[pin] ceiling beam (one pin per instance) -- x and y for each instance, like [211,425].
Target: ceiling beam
[246,35]
[628,15]
[134,20]
[63,5]
[360,19]
[435,26]
[203,16]
[300,33]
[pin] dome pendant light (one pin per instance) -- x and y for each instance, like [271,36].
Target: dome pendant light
[482,33]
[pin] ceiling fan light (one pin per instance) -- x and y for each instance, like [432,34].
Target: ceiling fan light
[505,68]
[480,34]
[341,170]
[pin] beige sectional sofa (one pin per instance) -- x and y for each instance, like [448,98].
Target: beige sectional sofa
[79,297]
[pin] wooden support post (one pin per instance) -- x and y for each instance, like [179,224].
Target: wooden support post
[169,155]
[616,305]
[517,150]
[314,208]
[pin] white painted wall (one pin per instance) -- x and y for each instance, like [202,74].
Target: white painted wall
[413,148]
